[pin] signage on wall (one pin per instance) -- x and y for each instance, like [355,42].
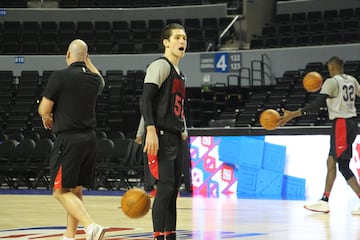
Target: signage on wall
[19,59]
[221,62]
[267,167]
[3,12]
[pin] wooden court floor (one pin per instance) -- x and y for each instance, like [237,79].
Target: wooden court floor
[34,216]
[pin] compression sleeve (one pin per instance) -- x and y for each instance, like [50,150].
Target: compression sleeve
[320,101]
[149,93]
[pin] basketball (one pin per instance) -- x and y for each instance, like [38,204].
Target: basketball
[135,203]
[312,82]
[269,119]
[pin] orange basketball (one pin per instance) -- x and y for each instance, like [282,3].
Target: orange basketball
[269,119]
[135,203]
[312,82]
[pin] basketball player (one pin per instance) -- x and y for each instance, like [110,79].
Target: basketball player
[68,109]
[162,109]
[339,92]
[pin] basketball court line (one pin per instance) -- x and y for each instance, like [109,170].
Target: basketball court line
[40,216]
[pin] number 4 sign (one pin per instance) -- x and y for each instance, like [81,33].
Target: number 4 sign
[221,62]
[227,62]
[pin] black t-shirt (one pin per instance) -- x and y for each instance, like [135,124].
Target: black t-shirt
[169,104]
[74,91]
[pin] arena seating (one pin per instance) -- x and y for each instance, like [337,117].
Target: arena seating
[117,37]
[310,28]
[13,3]
[298,29]
[118,106]
[287,93]
[123,3]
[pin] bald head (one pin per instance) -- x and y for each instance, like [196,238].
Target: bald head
[77,51]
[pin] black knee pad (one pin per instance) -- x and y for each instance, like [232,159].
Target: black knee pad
[344,169]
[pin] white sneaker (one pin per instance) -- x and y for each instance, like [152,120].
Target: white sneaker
[319,206]
[356,211]
[96,233]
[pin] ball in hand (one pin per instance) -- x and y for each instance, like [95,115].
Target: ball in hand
[269,119]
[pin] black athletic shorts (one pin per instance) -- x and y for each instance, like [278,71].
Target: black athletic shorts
[72,162]
[343,135]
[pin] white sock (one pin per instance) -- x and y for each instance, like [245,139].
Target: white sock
[89,228]
[67,238]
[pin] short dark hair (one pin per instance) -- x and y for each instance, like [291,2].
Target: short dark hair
[166,32]
[336,60]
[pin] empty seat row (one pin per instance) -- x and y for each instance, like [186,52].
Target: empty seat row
[127,3]
[100,47]
[107,26]
[306,40]
[312,16]
[310,28]
[13,3]
[110,3]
